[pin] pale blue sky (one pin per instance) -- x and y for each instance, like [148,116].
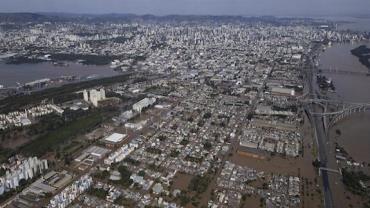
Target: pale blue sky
[216,7]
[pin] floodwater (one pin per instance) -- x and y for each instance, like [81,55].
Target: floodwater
[10,75]
[350,88]
[355,130]
[355,136]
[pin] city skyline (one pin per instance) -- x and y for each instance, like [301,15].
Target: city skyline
[194,7]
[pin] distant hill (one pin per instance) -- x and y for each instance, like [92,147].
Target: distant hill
[57,17]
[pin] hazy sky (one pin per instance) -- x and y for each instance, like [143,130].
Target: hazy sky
[163,7]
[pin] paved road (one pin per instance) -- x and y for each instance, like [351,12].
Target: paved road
[320,134]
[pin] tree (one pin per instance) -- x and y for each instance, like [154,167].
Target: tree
[141,173]
[207,145]
[316,163]
[207,115]
[338,132]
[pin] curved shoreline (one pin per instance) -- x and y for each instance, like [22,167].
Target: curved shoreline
[363,54]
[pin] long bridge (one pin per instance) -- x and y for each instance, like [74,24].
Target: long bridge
[335,111]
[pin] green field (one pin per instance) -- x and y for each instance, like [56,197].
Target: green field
[62,135]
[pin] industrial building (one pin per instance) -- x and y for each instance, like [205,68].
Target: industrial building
[114,139]
[282,91]
[89,156]
[144,103]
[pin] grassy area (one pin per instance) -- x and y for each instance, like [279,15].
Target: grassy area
[67,132]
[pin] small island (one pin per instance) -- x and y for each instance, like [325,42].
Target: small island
[363,54]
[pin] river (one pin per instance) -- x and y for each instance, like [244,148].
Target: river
[350,88]
[355,131]
[22,73]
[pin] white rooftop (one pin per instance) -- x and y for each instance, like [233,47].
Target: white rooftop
[115,137]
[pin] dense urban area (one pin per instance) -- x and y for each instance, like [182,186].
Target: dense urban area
[206,111]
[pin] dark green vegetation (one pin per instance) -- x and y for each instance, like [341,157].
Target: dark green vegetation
[174,153]
[363,54]
[141,173]
[353,181]
[153,150]
[53,139]
[132,161]
[193,159]
[154,167]
[207,145]
[316,163]
[184,142]
[2,172]
[199,183]
[292,108]
[5,154]
[59,94]
[183,198]
[98,192]
[102,175]
[162,138]
[44,125]
[125,176]
[121,200]
[159,90]
[357,183]
[207,115]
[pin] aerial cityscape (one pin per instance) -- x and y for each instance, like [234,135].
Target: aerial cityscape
[180,110]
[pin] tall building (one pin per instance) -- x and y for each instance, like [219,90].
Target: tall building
[86,95]
[94,96]
[26,169]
